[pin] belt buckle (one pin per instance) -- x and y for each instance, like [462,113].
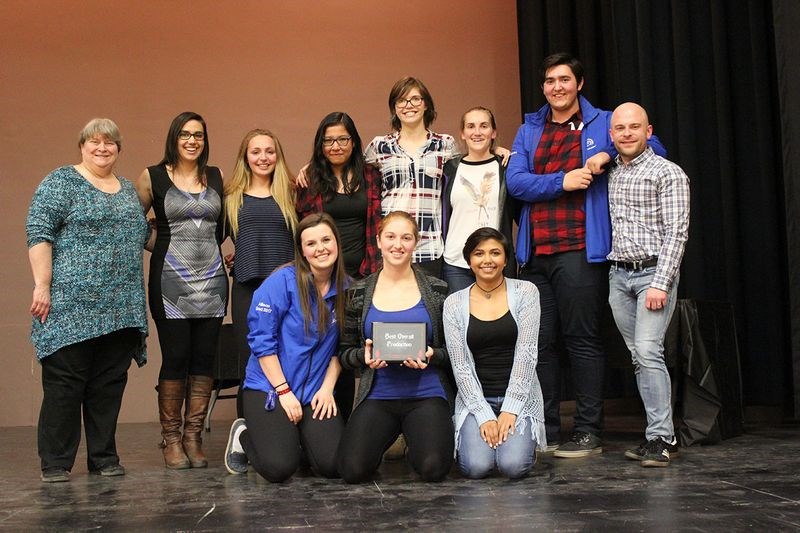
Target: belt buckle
[636,265]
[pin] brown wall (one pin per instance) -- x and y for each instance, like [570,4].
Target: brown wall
[279,64]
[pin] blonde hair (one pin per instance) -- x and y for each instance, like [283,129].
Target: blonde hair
[401,215]
[282,184]
[103,127]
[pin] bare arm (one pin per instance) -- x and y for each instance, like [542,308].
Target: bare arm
[41,258]
[144,189]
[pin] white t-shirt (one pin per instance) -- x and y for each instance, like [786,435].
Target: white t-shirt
[475,197]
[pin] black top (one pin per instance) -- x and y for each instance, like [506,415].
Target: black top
[350,214]
[492,345]
[263,242]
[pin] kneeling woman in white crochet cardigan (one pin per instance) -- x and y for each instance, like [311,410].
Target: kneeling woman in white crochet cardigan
[491,329]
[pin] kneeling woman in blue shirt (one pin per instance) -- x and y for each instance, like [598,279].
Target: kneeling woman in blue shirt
[492,328]
[288,388]
[414,397]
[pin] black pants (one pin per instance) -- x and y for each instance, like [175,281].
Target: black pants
[188,346]
[374,426]
[241,298]
[89,376]
[273,444]
[572,294]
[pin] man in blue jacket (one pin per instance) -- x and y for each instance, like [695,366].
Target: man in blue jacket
[563,240]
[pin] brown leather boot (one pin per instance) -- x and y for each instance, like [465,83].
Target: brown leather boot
[171,394]
[198,395]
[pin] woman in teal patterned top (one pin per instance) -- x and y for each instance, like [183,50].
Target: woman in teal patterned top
[86,233]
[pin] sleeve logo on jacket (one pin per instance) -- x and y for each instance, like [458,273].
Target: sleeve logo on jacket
[590,144]
[262,307]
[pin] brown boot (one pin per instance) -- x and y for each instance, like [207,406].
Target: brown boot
[171,393]
[198,395]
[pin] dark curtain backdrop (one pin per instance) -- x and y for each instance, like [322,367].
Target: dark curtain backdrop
[786,14]
[705,71]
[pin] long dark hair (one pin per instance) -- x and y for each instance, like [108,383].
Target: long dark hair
[306,289]
[320,173]
[171,155]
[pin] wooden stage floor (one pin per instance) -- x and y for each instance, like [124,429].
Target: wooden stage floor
[750,482]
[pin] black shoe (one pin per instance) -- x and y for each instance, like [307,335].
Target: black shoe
[656,453]
[638,453]
[580,445]
[115,469]
[55,475]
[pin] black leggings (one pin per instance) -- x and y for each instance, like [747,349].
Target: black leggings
[273,444]
[188,346]
[375,424]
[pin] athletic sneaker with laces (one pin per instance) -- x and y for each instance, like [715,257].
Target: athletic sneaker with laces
[235,458]
[638,453]
[580,445]
[656,453]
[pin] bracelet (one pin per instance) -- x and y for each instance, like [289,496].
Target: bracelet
[279,385]
[287,390]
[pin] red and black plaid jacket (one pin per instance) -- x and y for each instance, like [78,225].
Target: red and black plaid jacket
[308,203]
[559,225]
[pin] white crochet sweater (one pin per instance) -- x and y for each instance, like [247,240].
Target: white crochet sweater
[524,395]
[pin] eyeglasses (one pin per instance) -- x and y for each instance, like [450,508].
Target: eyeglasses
[342,141]
[185,135]
[415,101]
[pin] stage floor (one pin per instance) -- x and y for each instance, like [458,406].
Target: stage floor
[749,482]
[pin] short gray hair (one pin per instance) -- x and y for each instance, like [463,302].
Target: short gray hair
[104,127]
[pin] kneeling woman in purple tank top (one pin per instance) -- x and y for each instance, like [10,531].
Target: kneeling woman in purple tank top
[413,397]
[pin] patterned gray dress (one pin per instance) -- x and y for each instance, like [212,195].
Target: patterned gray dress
[187,277]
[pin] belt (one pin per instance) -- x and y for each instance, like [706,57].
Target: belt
[636,266]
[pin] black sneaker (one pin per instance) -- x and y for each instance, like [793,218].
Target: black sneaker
[55,475]
[638,453]
[580,445]
[235,462]
[110,470]
[656,453]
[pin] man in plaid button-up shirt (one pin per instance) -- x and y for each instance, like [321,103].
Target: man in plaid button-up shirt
[649,206]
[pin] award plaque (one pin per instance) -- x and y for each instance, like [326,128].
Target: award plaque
[398,341]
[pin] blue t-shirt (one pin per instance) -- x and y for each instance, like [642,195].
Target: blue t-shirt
[277,327]
[398,382]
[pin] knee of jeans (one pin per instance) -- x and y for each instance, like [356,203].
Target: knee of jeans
[474,467]
[514,467]
[649,354]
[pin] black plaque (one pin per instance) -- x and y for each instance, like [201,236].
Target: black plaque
[398,341]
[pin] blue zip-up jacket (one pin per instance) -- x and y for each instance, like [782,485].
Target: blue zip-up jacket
[530,187]
[276,327]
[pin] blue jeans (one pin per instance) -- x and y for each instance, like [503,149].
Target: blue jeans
[643,331]
[476,459]
[457,278]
